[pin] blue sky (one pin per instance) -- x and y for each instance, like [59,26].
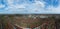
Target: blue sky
[29,6]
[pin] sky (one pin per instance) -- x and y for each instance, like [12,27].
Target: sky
[29,6]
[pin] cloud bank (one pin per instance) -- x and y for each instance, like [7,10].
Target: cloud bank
[31,7]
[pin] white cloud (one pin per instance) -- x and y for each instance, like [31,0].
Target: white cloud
[2,6]
[31,8]
[37,7]
[40,3]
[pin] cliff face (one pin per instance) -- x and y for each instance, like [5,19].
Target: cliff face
[5,24]
[28,21]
